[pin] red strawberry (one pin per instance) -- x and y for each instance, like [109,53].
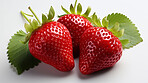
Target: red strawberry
[76,24]
[51,42]
[99,49]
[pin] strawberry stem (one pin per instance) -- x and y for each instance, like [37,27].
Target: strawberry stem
[87,12]
[34,15]
[75,6]
[28,15]
[25,17]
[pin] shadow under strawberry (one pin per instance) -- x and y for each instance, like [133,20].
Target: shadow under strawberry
[92,75]
[44,70]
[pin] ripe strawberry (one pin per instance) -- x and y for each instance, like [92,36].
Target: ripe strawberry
[51,43]
[76,24]
[99,49]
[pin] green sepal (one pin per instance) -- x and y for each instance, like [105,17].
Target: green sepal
[87,12]
[44,18]
[28,27]
[61,15]
[79,9]
[51,13]
[20,32]
[32,26]
[66,11]
[115,30]
[95,20]
[105,22]
[35,24]
[19,55]
[49,17]
[72,10]
[120,33]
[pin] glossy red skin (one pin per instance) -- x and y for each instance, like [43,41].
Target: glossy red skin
[76,25]
[52,44]
[99,49]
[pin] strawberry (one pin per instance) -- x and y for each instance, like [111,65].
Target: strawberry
[76,24]
[51,42]
[99,49]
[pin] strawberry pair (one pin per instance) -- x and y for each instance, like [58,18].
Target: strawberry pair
[73,35]
[97,46]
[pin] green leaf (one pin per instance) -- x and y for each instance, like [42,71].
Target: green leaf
[44,19]
[79,9]
[87,12]
[51,13]
[19,55]
[34,24]
[72,10]
[20,32]
[124,42]
[105,22]
[65,10]
[131,32]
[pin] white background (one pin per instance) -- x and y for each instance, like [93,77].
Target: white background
[132,68]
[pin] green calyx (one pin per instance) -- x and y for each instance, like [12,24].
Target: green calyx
[78,11]
[95,20]
[121,26]
[36,23]
[105,23]
[116,30]
[49,17]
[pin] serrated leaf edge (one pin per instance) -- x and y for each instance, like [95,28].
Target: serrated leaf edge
[132,24]
[10,61]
